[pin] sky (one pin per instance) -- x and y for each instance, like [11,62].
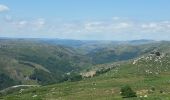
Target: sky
[86,19]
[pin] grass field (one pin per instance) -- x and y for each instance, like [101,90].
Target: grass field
[148,75]
[103,87]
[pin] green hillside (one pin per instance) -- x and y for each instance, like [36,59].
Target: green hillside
[33,62]
[148,75]
[40,61]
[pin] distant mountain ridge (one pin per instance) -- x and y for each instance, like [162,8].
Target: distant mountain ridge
[76,43]
[147,74]
[44,61]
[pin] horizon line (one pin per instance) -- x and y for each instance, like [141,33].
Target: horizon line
[79,39]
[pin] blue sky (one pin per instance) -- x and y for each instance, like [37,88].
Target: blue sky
[86,19]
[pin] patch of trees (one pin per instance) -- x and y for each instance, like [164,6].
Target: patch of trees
[45,78]
[156,53]
[73,76]
[106,55]
[42,77]
[102,71]
[127,92]
[6,81]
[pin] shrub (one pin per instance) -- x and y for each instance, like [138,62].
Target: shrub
[157,53]
[102,71]
[6,81]
[42,77]
[127,92]
[161,91]
[152,88]
[73,77]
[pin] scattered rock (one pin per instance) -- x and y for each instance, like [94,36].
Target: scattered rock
[145,96]
[89,74]
[21,91]
[34,96]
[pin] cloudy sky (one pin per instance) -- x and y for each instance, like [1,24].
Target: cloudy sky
[86,19]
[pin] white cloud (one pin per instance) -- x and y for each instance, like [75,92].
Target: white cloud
[107,26]
[22,23]
[36,24]
[3,8]
[94,26]
[39,23]
[149,25]
[100,29]
[122,25]
[18,24]
[153,27]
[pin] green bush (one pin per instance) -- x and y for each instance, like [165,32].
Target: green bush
[152,88]
[127,92]
[42,77]
[6,81]
[73,77]
[161,91]
[102,71]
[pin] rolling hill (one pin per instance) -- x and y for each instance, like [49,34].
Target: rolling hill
[25,61]
[147,74]
[46,61]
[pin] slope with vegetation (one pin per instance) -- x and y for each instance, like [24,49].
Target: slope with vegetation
[44,61]
[147,77]
[25,61]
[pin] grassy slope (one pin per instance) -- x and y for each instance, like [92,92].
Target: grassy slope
[20,58]
[122,52]
[107,86]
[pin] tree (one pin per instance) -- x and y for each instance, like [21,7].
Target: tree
[6,81]
[42,77]
[75,77]
[127,92]
[157,53]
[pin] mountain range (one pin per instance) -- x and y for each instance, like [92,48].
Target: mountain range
[62,68]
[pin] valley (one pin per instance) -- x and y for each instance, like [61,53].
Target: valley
[84,50]
[95,73]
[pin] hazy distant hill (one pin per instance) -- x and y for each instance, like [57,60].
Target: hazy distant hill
[44,61]
[78,43]
[147,74]
[32,61]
